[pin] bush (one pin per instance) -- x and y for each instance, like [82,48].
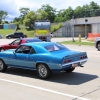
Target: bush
[56,27]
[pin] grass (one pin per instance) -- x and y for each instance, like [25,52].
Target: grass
[5,32]
[78,43]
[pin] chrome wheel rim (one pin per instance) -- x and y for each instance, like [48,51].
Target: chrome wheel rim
[99,46]
[1,65]
[42,70]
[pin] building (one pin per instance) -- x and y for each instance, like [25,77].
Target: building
[8,26]
[78,26]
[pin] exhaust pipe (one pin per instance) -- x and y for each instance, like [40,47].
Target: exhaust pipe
[81,66]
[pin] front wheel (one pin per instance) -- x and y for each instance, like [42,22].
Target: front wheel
[70,70]
[3,67]
[98,46]
[43,71]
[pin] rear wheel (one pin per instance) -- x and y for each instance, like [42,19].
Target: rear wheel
[9,37]
[3,67]
[43,71]
[98,46]
[70,70]
[21,37]
[1,50]
[25,36]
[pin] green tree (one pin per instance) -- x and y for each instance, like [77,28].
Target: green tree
[85,11]
[3,15]
[29,19]
[94,5]
[23,12]
[64,15]
[17,20]
[78,12]
[41,14]
[59,16]
[50,11]
[68,13]
[95,9]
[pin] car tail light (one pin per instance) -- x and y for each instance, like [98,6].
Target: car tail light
[83,57]
[67,61]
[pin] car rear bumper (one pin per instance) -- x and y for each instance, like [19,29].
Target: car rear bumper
[81,62]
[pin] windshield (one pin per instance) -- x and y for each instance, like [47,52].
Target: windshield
[33,40]
[55,47]
[42,25]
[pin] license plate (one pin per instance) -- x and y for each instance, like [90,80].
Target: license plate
[74,65]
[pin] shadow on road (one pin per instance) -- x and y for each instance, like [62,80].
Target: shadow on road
[74,78]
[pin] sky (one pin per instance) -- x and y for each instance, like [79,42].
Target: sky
[12,6]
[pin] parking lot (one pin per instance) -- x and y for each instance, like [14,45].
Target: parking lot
[82,84]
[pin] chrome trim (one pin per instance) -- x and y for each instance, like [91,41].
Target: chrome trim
[75,62]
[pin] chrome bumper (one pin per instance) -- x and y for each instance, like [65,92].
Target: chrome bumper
[81,62]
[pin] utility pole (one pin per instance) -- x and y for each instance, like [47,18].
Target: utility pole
[86,28]
[73,30]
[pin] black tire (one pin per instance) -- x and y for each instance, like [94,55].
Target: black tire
[3,67]
[25,36]
[98,46]
[70,70]
[43,71]
[9,37]
[1,49]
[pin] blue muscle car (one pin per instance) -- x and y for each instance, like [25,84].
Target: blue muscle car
[44,57]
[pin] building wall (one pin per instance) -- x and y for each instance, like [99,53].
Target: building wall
[81,30]
[80,27]
[1,26]
[7,26]
[66,31]
[91,20]
[98,27]
[95,28]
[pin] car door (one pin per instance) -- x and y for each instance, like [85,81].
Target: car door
[15,44]
[22,58]
[16,35]
[12,35]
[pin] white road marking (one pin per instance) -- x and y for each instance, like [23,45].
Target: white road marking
[43,89]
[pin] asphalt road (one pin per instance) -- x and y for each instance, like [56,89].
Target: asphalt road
[6,41]
[82,84]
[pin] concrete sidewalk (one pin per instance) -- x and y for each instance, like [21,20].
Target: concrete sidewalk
[61,39]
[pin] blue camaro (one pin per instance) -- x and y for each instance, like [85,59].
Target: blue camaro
[44,57]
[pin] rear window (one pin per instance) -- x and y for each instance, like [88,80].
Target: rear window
[33,40]
[55,47]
